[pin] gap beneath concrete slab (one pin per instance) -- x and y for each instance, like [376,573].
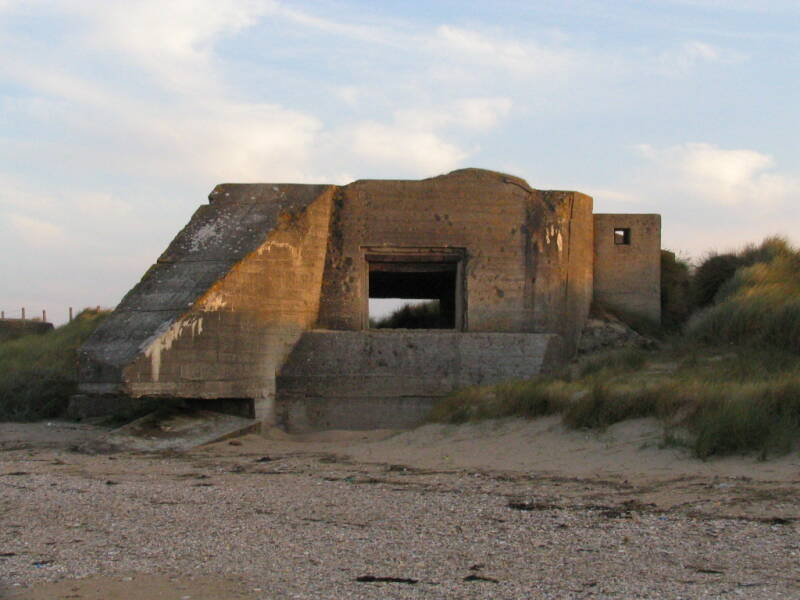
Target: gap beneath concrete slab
[179,430]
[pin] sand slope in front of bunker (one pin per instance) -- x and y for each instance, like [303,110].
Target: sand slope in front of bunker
[632,450]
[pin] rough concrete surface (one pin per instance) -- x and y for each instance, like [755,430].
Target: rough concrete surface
[392,378]
[326,517]
[627,277]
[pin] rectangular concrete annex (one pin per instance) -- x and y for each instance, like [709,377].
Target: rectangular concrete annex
[261,302]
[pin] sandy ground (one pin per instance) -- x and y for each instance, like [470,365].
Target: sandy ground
[513,509]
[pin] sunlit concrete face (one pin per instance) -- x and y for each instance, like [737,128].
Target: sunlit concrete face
[264,297]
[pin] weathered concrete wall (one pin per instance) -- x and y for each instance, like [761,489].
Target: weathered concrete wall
[517,241]
[224,304]
[627,277]
[560,263]
[374,379]
[235,337]
[11,329]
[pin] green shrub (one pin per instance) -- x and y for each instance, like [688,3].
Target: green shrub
[38,372]
[759,305]
[676,291]
[711,275]
[718,269]
[413,316]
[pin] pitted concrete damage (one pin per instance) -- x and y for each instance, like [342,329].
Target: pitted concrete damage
[262,298]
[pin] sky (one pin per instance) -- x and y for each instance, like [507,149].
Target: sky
[118,118]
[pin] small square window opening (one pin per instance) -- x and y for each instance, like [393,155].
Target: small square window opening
[622,236]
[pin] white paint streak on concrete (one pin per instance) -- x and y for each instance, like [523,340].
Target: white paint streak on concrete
[214,301]
[167,338]
[551,233]
[271,245]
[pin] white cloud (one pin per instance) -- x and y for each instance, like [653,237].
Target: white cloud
[479,114]
[349,94]
[420,151]
[239,141]
[413,139]
[693,54]
[366,33]
[741,5]
[180,136]
[172,40]
[36,232]
[519,58]
[720,176]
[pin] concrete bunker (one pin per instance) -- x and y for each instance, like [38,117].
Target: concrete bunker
[261,303]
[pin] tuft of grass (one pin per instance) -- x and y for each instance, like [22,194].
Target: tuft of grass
[38,372]
[603,406]
[615,361]
[764,419]
[525,399]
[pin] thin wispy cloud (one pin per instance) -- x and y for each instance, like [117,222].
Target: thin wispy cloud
[517,57]
[721,176]
[692,55]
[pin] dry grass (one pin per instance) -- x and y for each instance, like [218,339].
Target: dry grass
[713,400]
[38,372]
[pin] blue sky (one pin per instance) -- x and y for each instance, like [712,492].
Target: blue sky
[118,118]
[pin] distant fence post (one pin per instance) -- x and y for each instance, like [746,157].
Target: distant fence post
[2,314]
[23,313]
[70,314]
[44,316]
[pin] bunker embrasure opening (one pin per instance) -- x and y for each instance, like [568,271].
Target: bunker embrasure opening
[414,290]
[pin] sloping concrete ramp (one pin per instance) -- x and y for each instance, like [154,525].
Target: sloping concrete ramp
[178,430]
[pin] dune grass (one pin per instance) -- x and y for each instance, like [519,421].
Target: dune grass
[759,305]
[38,372]
[728,383]
[712,400]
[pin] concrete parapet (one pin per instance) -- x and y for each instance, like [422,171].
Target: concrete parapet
[376,379]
